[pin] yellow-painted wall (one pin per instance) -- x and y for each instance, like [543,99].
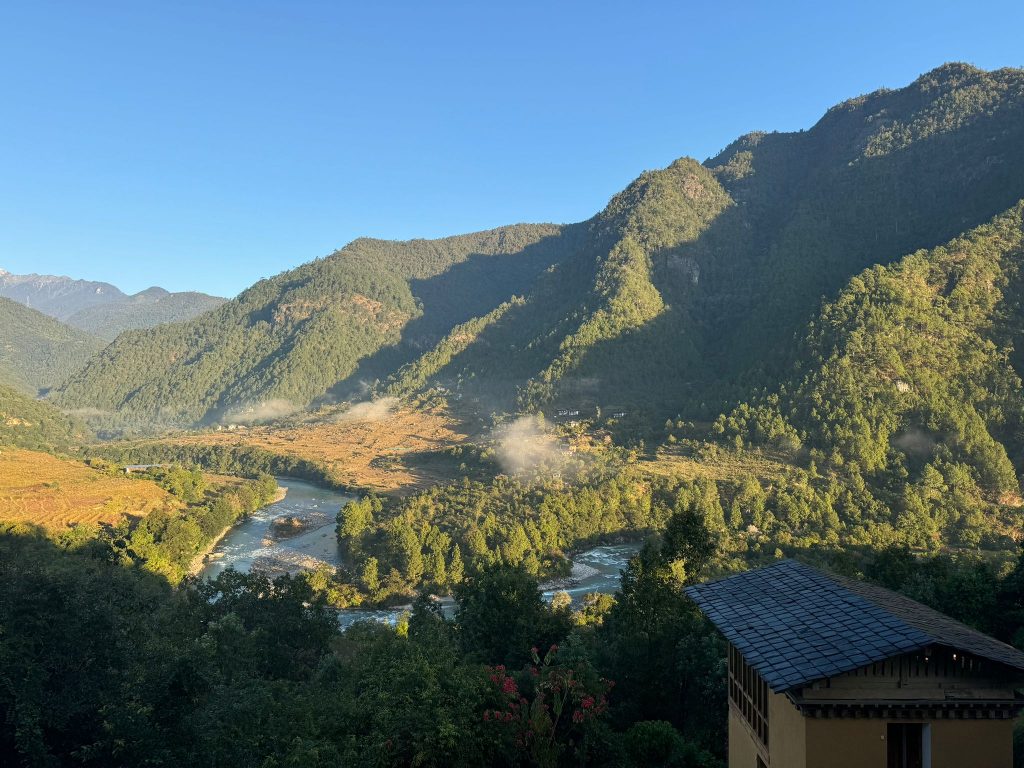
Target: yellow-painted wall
[860,743]
[796,741]
[845,743]
[742,749]
[974,743]
[787,734]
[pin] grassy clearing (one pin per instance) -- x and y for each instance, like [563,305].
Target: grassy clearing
[56,493]
[717,465]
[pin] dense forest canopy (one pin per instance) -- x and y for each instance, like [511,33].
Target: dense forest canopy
[242,670]
[38,352]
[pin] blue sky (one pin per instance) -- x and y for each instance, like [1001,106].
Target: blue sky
[204,145]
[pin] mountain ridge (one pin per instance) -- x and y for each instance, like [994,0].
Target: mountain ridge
[683,296]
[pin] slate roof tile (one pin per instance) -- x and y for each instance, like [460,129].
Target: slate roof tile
[794,624]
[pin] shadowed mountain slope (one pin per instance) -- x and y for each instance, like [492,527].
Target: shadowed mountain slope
[38,352]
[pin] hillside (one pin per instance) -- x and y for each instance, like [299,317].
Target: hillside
[29,423]
[101,308]
[802,213]
[291,339]
[682,297]
[918,358]
[878,177]
[38,352]
[611,328]
[909,397]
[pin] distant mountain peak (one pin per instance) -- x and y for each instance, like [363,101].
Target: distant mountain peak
[101,308]
[153,292]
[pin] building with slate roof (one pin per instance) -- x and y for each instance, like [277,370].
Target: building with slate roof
[828,672]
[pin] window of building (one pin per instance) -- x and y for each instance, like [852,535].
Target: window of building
[909,745]
[749,692]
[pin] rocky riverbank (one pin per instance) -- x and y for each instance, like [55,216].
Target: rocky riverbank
[580,572]
[200,559]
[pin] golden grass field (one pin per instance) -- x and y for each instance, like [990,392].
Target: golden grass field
[56,493]
[393,452]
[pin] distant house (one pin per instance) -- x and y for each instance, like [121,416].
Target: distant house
[828,672]
[129,468]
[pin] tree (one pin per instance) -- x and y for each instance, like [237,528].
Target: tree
[666,659]
[456,569]
[370,576]
[501,616]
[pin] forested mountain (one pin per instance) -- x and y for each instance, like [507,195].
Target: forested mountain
[877,178]
[918,359]
[38,352]
[295,337]
[685,296]
[101,308]
[145,309]
[907,405]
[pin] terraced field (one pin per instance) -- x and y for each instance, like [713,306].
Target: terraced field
[55,493]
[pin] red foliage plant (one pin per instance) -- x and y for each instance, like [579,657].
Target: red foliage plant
[549,708]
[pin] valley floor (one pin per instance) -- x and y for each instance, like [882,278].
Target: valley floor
[397,452]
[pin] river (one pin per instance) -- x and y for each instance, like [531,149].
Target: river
[253,544]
